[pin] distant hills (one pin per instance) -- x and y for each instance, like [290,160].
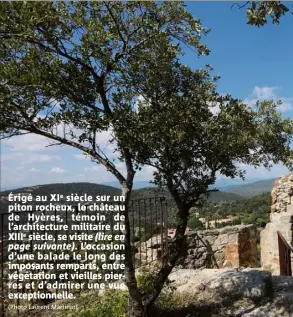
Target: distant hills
[98,189]
[136,185]
[223,184]
[251,189]
[225,194]
[252,210]
[213,197]
[230,182]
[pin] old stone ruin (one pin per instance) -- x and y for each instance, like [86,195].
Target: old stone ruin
[233,246]
[281,220]
[219,271]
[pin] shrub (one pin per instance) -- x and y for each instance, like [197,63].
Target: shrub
[168,298]
[113,303]
[109,304]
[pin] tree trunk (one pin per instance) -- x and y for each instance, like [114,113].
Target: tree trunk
[138,306]
[174,252]
[134,309]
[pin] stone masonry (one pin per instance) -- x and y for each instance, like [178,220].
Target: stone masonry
[281,219]
[233,247]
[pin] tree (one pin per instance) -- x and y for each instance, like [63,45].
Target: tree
[189,133]
[71,70]
[67,72]
[259,11]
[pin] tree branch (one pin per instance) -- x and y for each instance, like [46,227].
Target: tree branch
[93,153]
[56,50]
[240,6]
[115,22]
[54,144]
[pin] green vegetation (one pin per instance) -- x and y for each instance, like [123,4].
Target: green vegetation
[224,196]
[259,12]
[168,299]
[109,304]
[195,224]
[113,303]
[72,70]
[254,210]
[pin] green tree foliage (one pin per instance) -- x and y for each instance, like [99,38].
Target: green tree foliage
[254,210]
[68,71]
[195,224]
[71,69]
[178,132]
[258,12]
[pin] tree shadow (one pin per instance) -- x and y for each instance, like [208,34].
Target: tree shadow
[209,261]
[269,301]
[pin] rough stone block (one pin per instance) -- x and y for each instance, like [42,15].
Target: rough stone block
[281,220]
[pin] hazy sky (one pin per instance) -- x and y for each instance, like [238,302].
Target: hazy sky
[254,63]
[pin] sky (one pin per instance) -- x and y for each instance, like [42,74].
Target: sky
[254,63]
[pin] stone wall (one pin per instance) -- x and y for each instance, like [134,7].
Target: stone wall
[281,219]
[233,247]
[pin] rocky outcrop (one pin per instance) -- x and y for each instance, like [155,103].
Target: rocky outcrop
[233,247]
[245,293]
[221,283]
[281,219]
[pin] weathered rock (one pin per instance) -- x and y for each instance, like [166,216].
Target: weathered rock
[253,284]
[281,306]
[283,284]
[223,283]
[281,219]
[234,293]
[153,243]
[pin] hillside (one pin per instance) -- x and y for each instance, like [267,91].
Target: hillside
[219,205]
[214,196]
[225,196]
[251,189]
[98,189]
[252,210]
[60,188]
[136,184]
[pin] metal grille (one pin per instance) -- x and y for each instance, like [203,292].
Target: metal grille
[149,237]
[149,234]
